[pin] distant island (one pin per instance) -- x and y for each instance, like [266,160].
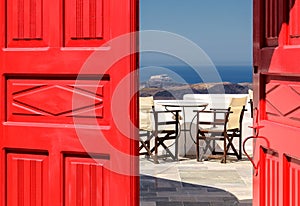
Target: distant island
[163,87]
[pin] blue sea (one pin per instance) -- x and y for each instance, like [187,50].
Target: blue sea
[186,74]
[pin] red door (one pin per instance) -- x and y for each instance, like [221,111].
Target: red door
[277,97]
[60,142]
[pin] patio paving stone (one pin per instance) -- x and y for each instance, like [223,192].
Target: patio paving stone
[190,183]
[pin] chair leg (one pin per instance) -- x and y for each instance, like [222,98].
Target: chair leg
[149,152]
[197,149]
[208,146]
[230,145]
[240,146]
[167,150]
[176,149]
[225,150]
[156,143]
[213,151]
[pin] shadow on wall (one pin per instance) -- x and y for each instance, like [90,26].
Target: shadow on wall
[163,192]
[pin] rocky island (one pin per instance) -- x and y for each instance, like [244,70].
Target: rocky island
[164,87]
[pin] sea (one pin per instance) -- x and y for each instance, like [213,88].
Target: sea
[187,74]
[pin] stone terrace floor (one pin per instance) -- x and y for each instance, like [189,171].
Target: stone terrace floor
[190,183]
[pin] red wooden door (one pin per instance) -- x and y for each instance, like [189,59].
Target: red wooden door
[60,144]
[277,97]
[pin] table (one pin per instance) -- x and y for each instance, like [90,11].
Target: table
[183,104]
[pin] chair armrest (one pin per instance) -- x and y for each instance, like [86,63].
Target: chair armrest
[219,109]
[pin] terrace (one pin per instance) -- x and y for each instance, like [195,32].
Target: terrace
[190,183]
[187,182]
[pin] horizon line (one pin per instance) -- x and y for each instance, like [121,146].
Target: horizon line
[196,65]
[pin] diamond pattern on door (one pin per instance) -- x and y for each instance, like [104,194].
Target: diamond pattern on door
[285,109]
[53,99]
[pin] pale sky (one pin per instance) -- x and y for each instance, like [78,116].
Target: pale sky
[222,28]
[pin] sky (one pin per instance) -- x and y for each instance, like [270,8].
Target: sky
[222,28]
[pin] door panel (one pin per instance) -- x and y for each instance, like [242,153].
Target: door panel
[44,157]
[294,29]
[27,22]
[86,22]
[292,181]
[50,100]
[278,110]
[276,85]
[84,181]
[270,175]
[27,179]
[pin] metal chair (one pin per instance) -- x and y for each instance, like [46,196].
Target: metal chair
[156,128]
[226,125]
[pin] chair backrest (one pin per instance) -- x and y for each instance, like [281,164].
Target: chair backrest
[146,105]
[237,107]
[250,94]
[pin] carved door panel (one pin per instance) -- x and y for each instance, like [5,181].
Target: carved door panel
[60,144]
[277,96]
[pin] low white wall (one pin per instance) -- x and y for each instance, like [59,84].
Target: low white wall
[186,140]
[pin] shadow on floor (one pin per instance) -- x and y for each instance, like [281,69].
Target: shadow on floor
[162,192]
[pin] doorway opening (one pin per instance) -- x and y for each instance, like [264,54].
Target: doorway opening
[223,32]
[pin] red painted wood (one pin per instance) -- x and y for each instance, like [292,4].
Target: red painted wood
[44,160]
[28,100]
[25,22]
[269,175]
[85,22]
[292,174]
[84,182]
[276,86]
[26,179]
[294,29]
